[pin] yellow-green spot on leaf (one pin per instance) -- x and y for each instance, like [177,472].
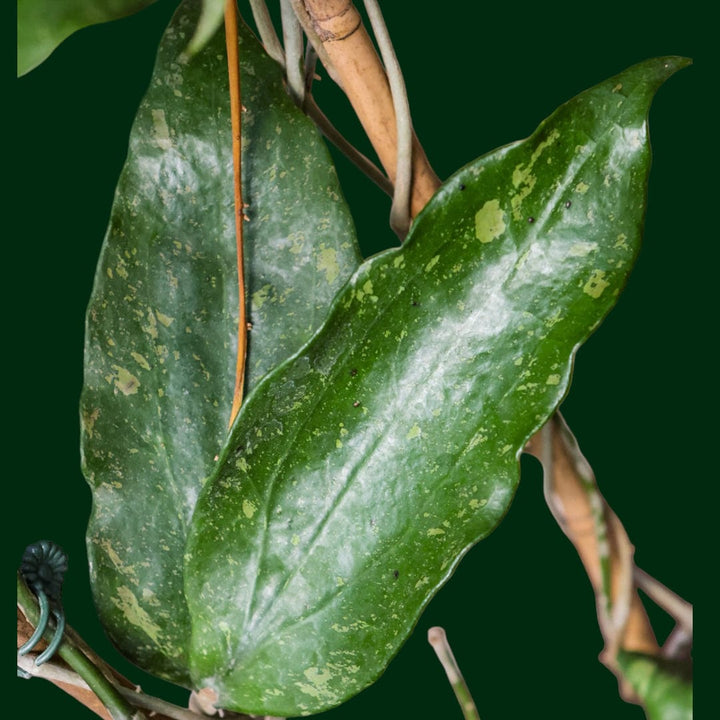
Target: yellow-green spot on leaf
[162,132]
[120,269]
[553,380]
[140,360]
[89,419]
[582,249]
[317,685]
[582,188]
[295,540]
[596,285]
[242,464]
[621,241]
[432,532]
[475,503]
[125,381]
[128,605]
[433,262]
[414,432]
[489,222]
[422,581]
[163,319]
[260,296]
[249,509]
[327,263]
[523,178]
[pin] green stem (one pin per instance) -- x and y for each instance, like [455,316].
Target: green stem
[106,692]
[438,639]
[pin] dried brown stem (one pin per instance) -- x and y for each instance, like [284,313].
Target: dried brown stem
[60,674]
[57,671]
[626,625]
[231,41]
[361,75]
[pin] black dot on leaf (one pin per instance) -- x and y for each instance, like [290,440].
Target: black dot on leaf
[531,220]
[356,404]
[396,574]
[462,186]
[353,372]
[568,204]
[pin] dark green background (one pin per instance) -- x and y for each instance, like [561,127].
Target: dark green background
[519,611]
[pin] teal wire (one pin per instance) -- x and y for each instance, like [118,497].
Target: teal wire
[41,626]
[57,637]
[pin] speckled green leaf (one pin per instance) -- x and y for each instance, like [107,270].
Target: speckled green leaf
[43,24]
[363,469]
[162,321]
[665,687]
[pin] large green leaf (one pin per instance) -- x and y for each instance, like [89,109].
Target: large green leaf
[162,320]
[43,24]
[664,686]
[361,470]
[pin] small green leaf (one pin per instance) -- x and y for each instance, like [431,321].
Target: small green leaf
[211,18]
[43,24]
[664,687]
[361,471]
[162,320]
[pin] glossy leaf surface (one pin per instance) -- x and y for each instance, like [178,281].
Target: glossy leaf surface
[43,24]
[664,687]
[361,471]
[162,320]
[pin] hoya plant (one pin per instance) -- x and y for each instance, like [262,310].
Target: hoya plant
[320,350]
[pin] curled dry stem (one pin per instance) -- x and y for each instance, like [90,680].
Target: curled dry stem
[603,545]
[598,536]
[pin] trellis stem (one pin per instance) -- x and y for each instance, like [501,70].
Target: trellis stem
[231,41]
